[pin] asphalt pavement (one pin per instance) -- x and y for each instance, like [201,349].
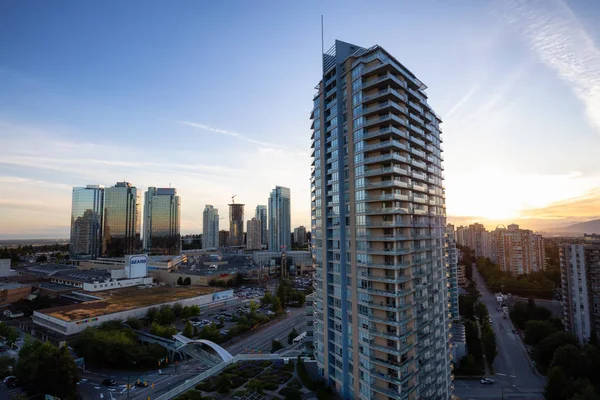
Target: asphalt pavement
[261,340]
[513,369]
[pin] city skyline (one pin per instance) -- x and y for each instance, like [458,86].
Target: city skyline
[73,107]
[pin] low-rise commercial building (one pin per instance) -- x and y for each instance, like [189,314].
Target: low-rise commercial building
[459,342]
[12,292]
[298,262]
[121,304]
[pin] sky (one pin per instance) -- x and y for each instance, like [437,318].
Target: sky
[214,99]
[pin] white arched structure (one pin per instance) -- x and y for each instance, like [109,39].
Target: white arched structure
[224,354]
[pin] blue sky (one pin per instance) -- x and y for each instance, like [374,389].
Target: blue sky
[214,99]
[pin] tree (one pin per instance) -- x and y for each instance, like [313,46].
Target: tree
[151,314]
[293,394]
[275,346]
[266,299]
[470,365]
[544,351]
[50,369]
[164,331]
[180,281]
[223,383]
[276,305]
[134,323]
[165,316]
[558,385]
[187,281]
[536,331]
[177,309]
[466,306]
[41,258]
[211,332]
[292,335]
[188,330]
[9,333]
[571,359]
[6,365]
[488,339]
[481,311]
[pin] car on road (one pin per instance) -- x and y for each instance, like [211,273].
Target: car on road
[486,381]
[109,382]
[10,381]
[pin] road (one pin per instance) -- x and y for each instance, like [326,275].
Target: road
[91,385]
[512,365]
[261,340]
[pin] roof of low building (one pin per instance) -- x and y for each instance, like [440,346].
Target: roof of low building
[118,300]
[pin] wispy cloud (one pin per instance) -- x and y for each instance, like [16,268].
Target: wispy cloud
[238,135]
[560,41]
[462,101]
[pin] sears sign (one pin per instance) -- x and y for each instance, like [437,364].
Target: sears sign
[136,266]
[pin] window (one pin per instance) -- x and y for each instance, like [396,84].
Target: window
[358,122]
[317,124]
[357,98]
[357,84]
[357,71]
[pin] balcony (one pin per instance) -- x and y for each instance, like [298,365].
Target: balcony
[385,158]
[388,184]
[419,175]
[386,118]
[390,196]
[389,224]
[389,210]
[418,164]
[386,238]
[417,130]
[386,279]
[395,252]
[385,93]
[386,144]
[385,131]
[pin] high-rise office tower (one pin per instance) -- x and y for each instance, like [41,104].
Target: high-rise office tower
[121,220]
[236,225]
[518,251]
[162,221]
[377,220]
[210,227]
[280,220]
[261,215]
[300,236]
[452,269]
[253,235]
[87,220]
[580,272]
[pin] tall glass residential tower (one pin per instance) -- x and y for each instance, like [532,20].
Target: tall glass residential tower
[280,225]
[210,227]
[162,220]
[381,323]
[87,219]
[261,215]
[121,220]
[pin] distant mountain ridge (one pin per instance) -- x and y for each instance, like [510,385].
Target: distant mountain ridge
[592,226]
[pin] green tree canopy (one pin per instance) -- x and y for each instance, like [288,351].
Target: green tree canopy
[536,331]
[47,368]
[544,351]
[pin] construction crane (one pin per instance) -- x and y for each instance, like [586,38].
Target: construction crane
[233,199]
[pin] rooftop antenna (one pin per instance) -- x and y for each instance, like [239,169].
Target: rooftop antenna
[322,47]
[233,199]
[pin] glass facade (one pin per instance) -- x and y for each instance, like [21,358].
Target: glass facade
[121,220]
[381,317]
[210,227]
[261,215]
[162,221]
[236,225]
[86,222]
[280,225]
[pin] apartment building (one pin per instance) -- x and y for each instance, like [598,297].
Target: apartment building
[580,276]
[518,251]
[381,317]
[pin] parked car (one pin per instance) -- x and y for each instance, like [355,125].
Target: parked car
[10,381]
[109,382]
[486,381]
